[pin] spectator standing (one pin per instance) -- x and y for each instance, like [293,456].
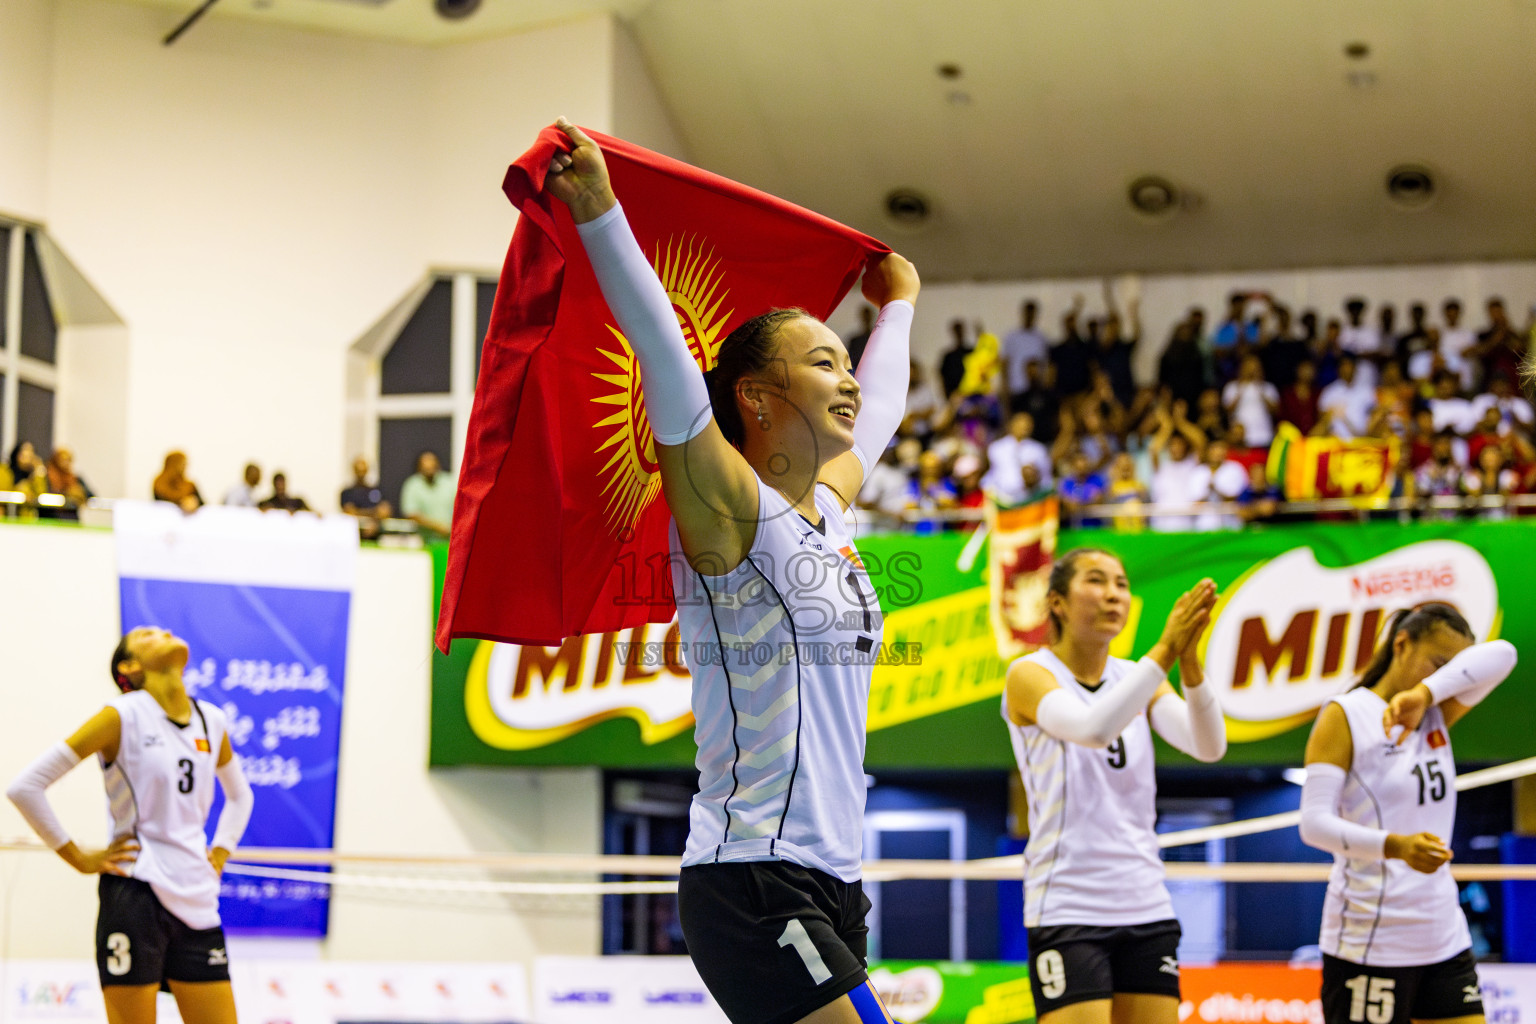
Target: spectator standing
[1414,340]
[426,498]
[365,501]
[280,500]
[1128,492]
[1281,349]
[1080,485]
[1236,329]
[1500,350]
[1514,411]
[952,363]
[923,407]
[857,342]
[243,494]
[1227,482]
[1181,367]
[1072,355]
[1456,345]
[172,484]
[1178,477]
[1041,402]
[1021,346]
[1357,337]
[1451,411]
[1117,345]
[1010,453]
[1344,407]
[885,489]
[1298,403]
[1253,401]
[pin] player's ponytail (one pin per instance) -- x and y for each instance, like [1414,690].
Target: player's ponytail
[1415,622]
[748,351]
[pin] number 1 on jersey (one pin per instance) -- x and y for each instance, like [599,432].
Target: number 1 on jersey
[796,936]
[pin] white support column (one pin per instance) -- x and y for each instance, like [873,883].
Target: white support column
[10,359]
[461,364]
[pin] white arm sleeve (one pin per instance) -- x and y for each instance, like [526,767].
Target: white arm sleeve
[1063,716]
[1472,674]
[883,374]
[238,802]
[1193,724]
[1321,825]
[27,792]
[676,398]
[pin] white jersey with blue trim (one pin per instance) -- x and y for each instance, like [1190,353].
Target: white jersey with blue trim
[159,791]
[781,650]
[1092,856]
[1383,913]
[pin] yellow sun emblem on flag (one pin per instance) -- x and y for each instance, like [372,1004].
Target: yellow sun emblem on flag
[692,276]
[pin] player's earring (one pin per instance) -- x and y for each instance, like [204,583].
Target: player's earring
[762,418]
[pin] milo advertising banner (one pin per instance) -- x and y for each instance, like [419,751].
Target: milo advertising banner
[1300,611]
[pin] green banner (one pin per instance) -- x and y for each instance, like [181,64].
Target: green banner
[968,992]
[1300,610]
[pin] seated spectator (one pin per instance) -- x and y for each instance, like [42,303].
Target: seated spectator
[952,363]
[967,477]
[1514,411]
[1252,401]
[931,490]
[1236,329]
[365,501]
[1327,352]
[243,494]
[1080,485]
[62,480]
[1240,451]
[1298,403]
[1125,490]
[1493,479]
[885,489]
[26,472]
[426,498]
[1451,411]
[1484,433]
[1103,400]
[1280,349]
[280,500]
[1229,478]
[1357,337]
[1426,362]
[1008,455]
[1034,487]
[1260,499]
[1344,407]
[1440,477]
[173,486]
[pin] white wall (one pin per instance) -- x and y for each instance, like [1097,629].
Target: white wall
[91,415]
[1166,297]
[25,77]
[251,199]
[639,114]
[60,622]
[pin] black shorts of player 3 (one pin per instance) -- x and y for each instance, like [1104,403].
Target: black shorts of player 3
[139,942]
[1356,994]
[773,941]
[1075,963]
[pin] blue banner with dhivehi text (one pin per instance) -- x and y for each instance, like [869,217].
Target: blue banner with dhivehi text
[262,600]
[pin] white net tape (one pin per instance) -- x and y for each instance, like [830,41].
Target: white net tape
[289,865]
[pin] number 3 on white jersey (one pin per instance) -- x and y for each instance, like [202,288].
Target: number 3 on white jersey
[795,935]
[121,960]
[1052,972]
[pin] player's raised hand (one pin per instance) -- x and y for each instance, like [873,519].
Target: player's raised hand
[579,178]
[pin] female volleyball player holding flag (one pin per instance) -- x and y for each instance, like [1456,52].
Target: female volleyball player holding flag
[758,464]
[160,751]
[1380,796]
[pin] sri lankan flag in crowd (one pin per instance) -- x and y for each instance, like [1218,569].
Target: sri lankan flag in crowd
[1023,548]
[1312,468]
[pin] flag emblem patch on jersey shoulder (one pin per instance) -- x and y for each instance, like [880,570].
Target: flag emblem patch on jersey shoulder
[848,552]
[1437,739]
[203,746]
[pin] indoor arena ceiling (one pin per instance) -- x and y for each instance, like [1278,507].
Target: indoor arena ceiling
[1278,142]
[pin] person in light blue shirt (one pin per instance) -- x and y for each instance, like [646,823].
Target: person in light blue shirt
[426,498]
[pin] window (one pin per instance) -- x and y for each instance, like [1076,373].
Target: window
[29,333]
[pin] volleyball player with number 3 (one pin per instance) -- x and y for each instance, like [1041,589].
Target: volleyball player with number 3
[1103,940]
[160,751]
[1380,795]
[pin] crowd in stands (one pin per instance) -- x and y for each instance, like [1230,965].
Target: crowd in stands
[31,488]
[1028,415]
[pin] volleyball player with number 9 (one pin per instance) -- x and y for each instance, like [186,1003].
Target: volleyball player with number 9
[1103,940]
[160,752]
[1380,795]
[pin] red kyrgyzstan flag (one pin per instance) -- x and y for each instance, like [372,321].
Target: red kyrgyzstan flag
[559,528]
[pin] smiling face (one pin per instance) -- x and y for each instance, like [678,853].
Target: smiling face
[819,402]
[1097,598]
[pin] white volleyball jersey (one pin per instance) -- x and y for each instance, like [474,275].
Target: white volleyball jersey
[781,650]
[159,790]
[1383,913]
[1092,856]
